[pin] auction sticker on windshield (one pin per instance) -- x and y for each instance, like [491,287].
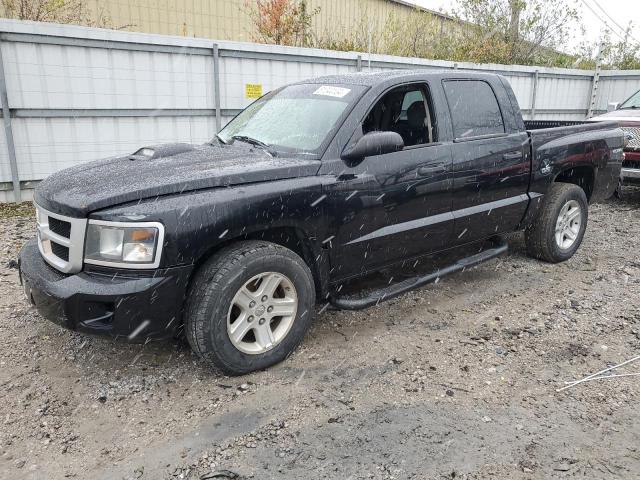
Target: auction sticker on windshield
[329,91]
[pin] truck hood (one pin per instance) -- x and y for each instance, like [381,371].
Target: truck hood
[623,115]
[163,170]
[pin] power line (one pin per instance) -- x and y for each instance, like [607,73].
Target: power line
[603,20]
[609,16]
[599,17]
[626,31]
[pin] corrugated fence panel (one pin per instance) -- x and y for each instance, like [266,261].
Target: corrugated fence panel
[558,93]
[5,166]
[616,89]
[77,94]
[522,86]
[52,144]
[54,76]
[271,74]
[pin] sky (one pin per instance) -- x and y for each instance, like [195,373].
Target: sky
[620,11]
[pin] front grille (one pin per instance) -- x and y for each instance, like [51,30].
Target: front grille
[633,136]
[61,240]
[60,227]
[60,251]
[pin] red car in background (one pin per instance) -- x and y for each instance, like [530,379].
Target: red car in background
[628,115]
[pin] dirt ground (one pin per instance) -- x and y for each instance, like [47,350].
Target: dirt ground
[455,380]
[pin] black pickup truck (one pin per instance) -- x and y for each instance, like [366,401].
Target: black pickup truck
[317,183]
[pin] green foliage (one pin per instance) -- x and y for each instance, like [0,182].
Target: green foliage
[620,54]
[59,11]
[73,12]
[525,32]
[420,34]
[283,22]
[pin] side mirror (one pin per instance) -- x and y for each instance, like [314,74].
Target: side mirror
[374,143]
[611,106]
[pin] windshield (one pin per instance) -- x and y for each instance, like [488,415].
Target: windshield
[632,102]
[297,118]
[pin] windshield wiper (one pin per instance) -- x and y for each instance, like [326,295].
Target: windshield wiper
[255,142]
[632,107]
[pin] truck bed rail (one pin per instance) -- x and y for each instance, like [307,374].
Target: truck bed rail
[539,124]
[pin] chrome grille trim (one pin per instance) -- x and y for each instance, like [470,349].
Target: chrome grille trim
[75,241]
[633,134]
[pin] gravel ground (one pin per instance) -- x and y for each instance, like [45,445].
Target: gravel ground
[455,380]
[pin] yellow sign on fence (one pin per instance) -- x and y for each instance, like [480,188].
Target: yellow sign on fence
[252,90]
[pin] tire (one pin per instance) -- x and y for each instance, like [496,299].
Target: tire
[618,191]
[222,293]
[542,236]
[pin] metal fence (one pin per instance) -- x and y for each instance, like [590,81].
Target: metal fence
[74,94]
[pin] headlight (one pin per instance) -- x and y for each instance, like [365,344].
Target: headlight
[120,244]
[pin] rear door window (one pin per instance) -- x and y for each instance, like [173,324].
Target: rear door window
[474,108]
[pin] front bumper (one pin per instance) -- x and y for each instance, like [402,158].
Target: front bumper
[631,174]
[140,306]
[631,166]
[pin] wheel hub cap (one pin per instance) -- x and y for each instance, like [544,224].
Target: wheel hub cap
[262,313]
[568,224]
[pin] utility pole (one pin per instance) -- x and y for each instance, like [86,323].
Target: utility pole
[370,41]
[596,79]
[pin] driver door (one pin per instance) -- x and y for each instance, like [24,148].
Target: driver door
[395,206]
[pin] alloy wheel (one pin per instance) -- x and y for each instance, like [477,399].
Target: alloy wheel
[568,224]
[262,313]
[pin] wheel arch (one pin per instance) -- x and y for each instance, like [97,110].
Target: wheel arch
[291,237]
[581,175]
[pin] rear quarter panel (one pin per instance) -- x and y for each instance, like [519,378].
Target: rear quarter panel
[597,145]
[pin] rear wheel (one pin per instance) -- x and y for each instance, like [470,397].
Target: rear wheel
[249,306]
[558,230]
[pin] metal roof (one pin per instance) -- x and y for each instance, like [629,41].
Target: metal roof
[423,9]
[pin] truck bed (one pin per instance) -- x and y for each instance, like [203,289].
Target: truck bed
[559,145]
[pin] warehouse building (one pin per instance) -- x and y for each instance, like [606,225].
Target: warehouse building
[230,20]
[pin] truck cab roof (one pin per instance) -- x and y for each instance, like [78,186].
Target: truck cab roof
[371,79]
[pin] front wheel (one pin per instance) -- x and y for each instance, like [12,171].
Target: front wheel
[249,306]
[557,231]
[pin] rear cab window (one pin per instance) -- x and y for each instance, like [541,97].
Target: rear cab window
[474,109]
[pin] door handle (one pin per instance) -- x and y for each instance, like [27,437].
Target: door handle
[438,168]
[343,177]
[512,156]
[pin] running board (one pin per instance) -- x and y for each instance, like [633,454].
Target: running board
[357,302]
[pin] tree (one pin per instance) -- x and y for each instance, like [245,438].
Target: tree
[527,31]
[59,11]
[283,22]
[364,34]
[420,34]
[621,54]
[489,31]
